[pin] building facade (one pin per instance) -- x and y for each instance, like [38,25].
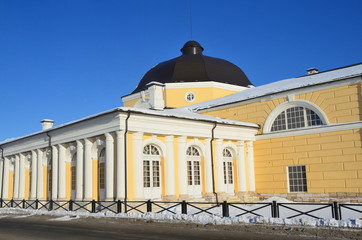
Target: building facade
[196,128]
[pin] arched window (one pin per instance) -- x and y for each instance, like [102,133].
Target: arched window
[228,166]
[193,166]
[295,117]
[151,166]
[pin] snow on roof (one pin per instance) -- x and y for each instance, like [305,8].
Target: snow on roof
[186,114]
[281,86]
[176,113]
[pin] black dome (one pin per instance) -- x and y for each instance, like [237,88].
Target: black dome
[192,66]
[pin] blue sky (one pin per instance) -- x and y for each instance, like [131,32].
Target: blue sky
[66,60]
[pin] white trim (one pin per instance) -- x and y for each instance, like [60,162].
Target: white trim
[209,106]
[311,130]
[296,103]
[134,96]
[231,147]
[198,144]
[158,143]
[210,84]
[186,95]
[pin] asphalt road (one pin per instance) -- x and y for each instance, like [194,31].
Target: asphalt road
[21,227]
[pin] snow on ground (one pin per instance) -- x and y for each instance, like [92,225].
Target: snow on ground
[350,221]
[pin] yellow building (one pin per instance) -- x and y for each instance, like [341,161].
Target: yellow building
[196,128]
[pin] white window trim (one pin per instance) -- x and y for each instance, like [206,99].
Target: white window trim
[157,143]
[296,103]
[198,145]
[190,92]
[288,185]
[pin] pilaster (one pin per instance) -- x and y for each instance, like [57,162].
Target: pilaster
[40,175]
[170,169]
[54,167]
[22,177]
[34,174]
[138,165]
[120,171]
[182,167]
[88,174]
[16,177]
[109,167]
[79,172]
[62,173]
[250,166]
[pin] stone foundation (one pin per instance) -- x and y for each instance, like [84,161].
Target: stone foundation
[316,197]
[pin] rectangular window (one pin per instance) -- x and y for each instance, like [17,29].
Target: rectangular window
[189,173]
[102,175]
[73,171]
[197,172]
[297,179]
[230,172]
[146,174]
[156,173]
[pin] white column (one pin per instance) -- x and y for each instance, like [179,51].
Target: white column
[40,178]
[109,167]
[22,177]
[182,167]
[88,171]
[208,167]
[170,168]
[120,165]
[34,160]
[54,173]
[5,193]
[138,165]
[250,166]
[79,183]
[16,177]
[241,166]
[1,175]
[219,166]
[62,173]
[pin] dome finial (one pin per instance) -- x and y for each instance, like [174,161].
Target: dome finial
[192,48]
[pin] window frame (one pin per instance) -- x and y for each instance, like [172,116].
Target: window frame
[286,105]
[306,181]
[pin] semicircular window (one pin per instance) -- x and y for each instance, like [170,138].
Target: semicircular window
[295,117]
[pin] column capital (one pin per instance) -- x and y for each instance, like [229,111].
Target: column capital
[241,143]
[109,136]
[138,135]
[169,138]
[218,140]
[79,143]
[182,139]
[120,133]
[87,141]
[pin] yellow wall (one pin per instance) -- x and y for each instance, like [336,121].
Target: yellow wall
[95,179]
[11,184]
[340,104]
[131,103]
[176,97]
[27,180]
[130,175]
[68,178]
[333,161]
[45,181]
